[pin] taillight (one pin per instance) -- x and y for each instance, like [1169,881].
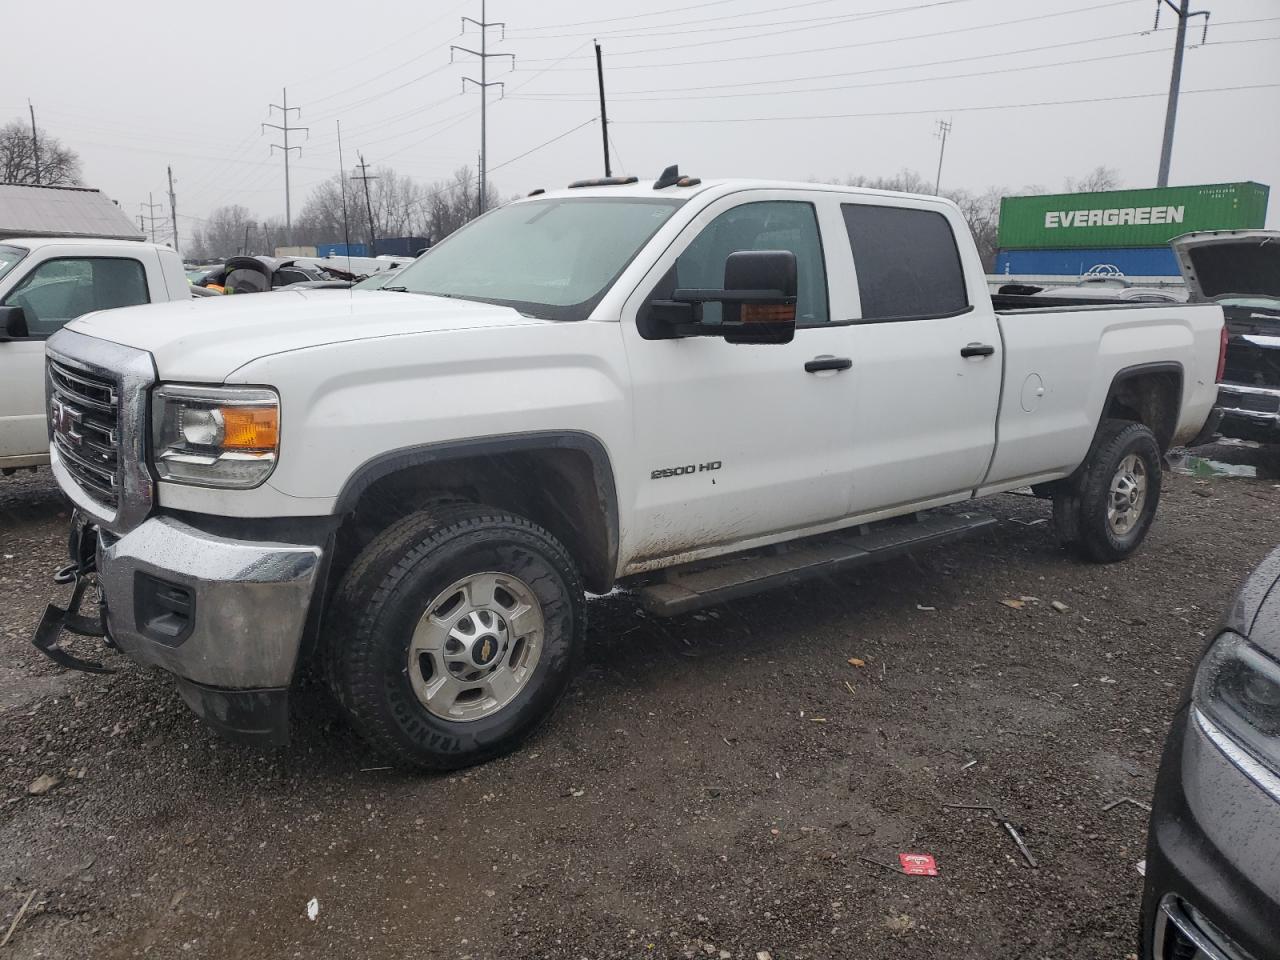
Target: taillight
[1222,354]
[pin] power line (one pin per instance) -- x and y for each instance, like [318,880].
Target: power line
[666,30]
[993,106]
[546,143]
[686,89]
[840,46]
[624,98]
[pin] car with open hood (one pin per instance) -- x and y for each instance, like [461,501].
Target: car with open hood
[1240,271]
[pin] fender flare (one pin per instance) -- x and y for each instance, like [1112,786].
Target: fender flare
[393,461]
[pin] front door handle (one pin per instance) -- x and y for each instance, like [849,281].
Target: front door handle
[977,350]
[818,364]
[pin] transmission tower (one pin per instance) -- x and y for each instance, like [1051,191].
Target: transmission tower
[285,129]
[150,216]
[483,83]
[1183,12]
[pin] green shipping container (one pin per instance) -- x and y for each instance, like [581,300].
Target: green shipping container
[1129,218]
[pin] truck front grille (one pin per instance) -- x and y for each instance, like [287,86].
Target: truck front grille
[84,422]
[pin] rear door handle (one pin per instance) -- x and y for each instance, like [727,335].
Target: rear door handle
[818,364]
[977,350]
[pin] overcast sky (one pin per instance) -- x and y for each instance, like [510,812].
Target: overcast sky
[808,89]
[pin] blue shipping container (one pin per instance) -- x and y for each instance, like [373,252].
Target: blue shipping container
[341,250]
[1131,261]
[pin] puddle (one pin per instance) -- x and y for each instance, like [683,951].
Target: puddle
[1194,466]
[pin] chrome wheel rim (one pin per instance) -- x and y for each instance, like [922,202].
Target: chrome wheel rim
[1128,495]
[476,646]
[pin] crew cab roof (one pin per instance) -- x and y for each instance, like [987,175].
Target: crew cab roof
[644,188]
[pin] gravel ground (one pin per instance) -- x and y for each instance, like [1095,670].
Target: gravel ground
[714,786]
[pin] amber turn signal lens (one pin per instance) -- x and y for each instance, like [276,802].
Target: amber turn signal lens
[250,428]
[768,313]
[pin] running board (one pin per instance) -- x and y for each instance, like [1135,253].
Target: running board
[693,588]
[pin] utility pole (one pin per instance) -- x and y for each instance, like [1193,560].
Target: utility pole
[944,127]
[284,128]
[150,216]
[173,211]
[368,205]
[604,117]
[35,143]
[484,84]
[1181,9]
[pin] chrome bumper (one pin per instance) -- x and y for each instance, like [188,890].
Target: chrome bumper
[248,609]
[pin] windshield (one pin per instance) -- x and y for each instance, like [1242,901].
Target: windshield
[8,257]
[547,258]
[377,281]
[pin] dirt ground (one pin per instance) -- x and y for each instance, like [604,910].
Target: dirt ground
[714,786]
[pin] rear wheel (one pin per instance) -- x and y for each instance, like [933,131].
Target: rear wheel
[1105,512]
[453,635]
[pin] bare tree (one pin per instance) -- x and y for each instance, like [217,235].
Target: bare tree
[401,206]
[1096,180]
[57,164]
[228,231]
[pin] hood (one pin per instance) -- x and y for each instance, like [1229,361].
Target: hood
[204,340]
[1219,263]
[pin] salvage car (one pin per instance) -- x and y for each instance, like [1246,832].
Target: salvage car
[1240,271]
[1212,885]
[693,389]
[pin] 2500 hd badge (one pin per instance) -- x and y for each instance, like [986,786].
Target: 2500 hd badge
[686,469]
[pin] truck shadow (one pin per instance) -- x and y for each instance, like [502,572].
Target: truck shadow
[27,497]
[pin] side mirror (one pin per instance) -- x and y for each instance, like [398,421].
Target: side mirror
[759,298]
[770,315]
[13,324]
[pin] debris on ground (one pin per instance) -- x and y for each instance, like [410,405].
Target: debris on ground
[1022,847]
[857,662]
[1059,606]
[43,784]
[1137,803]
[921,606]
[918,864]
[18,919]
[899,922]
[1014,604]
[313,909]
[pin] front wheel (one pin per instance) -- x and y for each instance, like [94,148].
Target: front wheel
[1105,512]
[453,635]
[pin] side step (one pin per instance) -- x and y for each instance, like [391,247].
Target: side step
[702,586]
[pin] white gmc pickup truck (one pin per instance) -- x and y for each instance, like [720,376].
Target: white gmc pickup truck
[45,282]
[693,389]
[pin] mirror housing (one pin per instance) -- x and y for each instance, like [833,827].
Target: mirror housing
[759,298]
[13,325]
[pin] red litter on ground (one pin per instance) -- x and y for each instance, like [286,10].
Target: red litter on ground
[918,864]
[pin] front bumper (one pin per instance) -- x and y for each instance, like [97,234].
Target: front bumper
[1213,852]
[249,602]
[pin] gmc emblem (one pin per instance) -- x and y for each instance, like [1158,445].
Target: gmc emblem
[65,422]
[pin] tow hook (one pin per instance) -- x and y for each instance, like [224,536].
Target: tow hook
[82,572]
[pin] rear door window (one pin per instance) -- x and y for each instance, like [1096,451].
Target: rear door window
[907,261]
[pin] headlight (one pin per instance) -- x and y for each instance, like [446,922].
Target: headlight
[215,436]
[1238,687]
